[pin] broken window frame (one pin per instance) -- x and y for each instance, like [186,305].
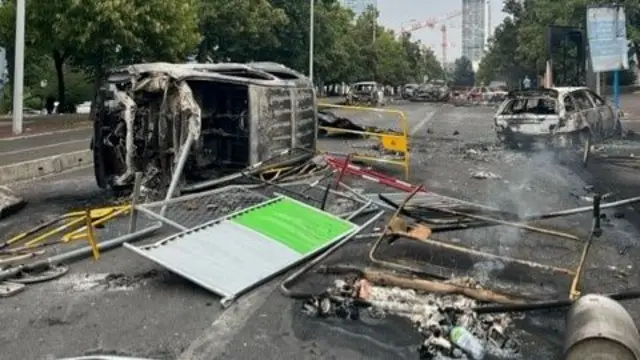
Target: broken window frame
[581,106]
[508,109]
[568,100]
[596,99]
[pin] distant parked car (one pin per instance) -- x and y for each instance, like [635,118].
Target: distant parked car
[408,90]
[435,91]
[574,114]
[366,92]
[84,108]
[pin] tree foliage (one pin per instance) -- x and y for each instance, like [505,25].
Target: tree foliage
[463,74]
[69,37]
[519,44]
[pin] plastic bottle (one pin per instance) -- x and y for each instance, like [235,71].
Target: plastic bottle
[467,342]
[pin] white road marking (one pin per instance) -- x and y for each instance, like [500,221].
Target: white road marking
[423,122]
[20,137]
[45,147]
[213,342]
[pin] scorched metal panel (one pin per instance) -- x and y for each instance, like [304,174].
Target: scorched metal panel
[225,258]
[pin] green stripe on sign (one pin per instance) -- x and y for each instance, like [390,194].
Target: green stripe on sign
[299,227]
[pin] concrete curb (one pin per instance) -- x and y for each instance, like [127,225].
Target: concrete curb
[37,168]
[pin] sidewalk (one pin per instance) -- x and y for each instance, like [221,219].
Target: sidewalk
[33,125]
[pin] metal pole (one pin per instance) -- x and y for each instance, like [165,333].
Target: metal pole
[18,72]
[311,35]
[616,88]
[133,219]
[177,172]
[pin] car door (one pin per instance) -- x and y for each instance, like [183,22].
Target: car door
[587,109]
[607,115]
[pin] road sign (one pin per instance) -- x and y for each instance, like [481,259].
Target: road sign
[606,31]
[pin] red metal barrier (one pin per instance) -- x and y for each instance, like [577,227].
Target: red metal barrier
[344,166]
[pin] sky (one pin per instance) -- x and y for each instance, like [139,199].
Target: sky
[395,14]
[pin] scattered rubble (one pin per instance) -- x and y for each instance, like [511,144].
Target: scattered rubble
[439,318]
[327,119]
[10,203]
[84,282]
[485,175]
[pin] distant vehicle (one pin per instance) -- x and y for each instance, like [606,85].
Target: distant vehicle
[498,85]
[576,115]
[84,108]
[366,92]
[477,93]
[436,91]
[408,90]
[496,94]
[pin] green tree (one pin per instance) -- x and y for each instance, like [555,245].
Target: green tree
[422,61]
[96,35]
[238,30]
[108,33]
[463,74]
[519,45]
[499,63]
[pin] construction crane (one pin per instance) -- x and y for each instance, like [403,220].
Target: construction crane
[431,23]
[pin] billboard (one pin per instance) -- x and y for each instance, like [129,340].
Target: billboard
[607,36]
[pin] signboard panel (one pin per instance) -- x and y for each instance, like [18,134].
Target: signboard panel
[606,31]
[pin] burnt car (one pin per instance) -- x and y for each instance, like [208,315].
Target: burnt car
[574,114]
[433,91]
[408,90]
[496,94]
[478,94]
[224,116]
[366,92]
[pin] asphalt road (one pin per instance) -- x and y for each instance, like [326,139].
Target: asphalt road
[143,310]
[273,327]
[15,150]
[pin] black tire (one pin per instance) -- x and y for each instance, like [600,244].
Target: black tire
[618,132]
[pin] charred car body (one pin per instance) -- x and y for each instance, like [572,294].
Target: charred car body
[434,91]
[408,90]
[576,114]
[366,92]
[234,115]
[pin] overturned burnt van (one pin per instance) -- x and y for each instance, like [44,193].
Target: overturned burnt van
[225,116]
[572,115]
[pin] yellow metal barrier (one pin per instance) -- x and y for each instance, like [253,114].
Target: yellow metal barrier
[106,215]
[396,142]
[79,223]
[78,218]
[91,235]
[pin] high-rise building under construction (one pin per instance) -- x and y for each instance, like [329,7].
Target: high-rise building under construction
[359,6]
[476,26]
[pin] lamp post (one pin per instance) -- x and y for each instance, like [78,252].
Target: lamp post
[311,35]
[18,72]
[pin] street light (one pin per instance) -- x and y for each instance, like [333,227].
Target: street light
[18,72]
[311,27]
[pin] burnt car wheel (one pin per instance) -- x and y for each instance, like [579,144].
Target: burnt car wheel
[583,141]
